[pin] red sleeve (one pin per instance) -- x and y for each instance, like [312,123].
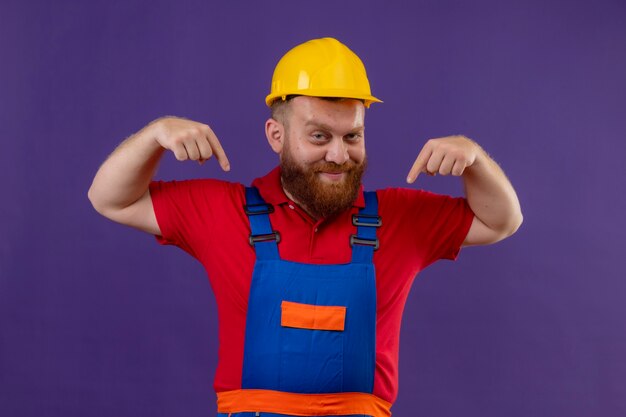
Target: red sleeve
[434,225]
[186,211]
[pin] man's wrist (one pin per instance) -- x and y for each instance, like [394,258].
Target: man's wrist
[481,159]
[150,134]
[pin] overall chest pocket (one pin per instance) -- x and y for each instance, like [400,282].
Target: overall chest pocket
[312,347]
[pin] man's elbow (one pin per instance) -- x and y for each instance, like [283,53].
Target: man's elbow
[515,224]
[511,227]
[482,234]
[93,199]
[98,203]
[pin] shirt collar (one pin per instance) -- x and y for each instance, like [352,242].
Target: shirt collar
[272,191]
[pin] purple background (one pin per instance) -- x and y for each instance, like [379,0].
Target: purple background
[98,320]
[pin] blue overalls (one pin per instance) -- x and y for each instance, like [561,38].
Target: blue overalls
[310,329]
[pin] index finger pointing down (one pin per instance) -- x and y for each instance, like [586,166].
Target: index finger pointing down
[419,165]
[216,146]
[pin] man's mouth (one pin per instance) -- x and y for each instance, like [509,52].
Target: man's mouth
[332,176]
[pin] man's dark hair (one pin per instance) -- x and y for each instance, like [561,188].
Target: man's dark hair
[279,109]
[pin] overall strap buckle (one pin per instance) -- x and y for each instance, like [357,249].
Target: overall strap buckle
[355,240]
[255,209]
[367,220]
[264,238]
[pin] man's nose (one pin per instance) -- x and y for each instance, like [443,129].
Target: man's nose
[337,151]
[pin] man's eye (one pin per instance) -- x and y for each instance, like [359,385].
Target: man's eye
[319,136]
[354,136]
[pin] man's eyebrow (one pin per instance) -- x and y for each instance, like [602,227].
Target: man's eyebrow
[324,126]
[317,124]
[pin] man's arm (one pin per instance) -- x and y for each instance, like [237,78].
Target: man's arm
[489,193]
[120,188]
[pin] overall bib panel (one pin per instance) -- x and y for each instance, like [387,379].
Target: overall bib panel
[287,348]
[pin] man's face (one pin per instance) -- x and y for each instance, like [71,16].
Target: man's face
[323,156]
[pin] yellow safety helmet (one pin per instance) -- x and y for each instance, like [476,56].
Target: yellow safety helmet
[321,68]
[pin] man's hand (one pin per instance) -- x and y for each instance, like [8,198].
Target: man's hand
[447,155]
[189,140]
[490,195]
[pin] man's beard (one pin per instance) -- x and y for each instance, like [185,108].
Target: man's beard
[320,198]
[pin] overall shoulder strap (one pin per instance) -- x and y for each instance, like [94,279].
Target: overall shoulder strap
[262,237]
[365,242]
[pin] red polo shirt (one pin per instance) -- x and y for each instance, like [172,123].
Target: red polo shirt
[205,218]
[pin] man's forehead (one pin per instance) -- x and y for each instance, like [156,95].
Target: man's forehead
[312,111]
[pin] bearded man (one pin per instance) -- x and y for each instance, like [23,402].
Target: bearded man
[310,273]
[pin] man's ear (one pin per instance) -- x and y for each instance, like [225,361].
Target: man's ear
[275,133]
